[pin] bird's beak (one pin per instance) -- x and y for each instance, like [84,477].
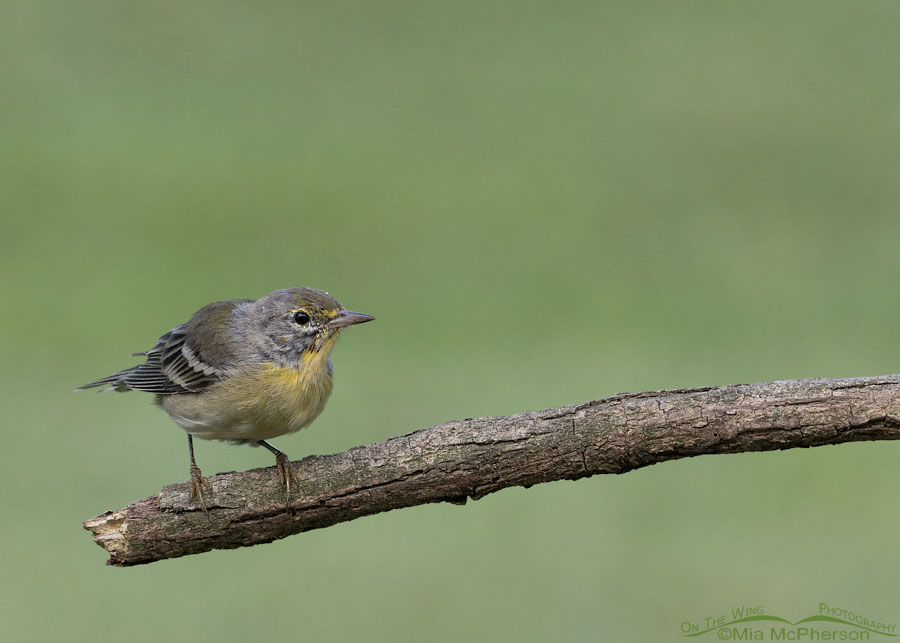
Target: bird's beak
[348,318]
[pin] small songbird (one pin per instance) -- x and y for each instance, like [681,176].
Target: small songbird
[244,370]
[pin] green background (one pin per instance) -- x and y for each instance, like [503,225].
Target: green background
[542,203]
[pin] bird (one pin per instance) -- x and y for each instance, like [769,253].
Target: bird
[244,371]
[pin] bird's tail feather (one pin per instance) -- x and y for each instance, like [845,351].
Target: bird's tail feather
[114,379]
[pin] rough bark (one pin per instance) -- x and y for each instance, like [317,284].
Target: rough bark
[471,458]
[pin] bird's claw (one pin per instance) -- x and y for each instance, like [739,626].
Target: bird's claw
[199,486]
[286,472]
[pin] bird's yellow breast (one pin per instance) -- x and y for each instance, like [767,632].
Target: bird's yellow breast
[259,403]
[298,394]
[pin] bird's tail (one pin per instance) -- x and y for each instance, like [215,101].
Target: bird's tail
[114,380]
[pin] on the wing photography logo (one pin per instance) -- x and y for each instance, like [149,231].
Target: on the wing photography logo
[754,623]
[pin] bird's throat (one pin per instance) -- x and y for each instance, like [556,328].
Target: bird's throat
[309,373]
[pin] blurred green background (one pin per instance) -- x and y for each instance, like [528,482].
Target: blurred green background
[542,203]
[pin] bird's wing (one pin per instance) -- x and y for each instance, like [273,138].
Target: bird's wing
[187,359]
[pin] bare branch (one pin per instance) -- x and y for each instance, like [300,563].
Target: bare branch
[474,457]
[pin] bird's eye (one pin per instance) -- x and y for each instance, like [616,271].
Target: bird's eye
[301,317]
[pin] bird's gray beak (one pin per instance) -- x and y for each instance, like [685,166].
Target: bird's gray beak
[348,318]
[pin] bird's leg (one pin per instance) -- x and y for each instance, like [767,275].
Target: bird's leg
[199,484]
[288,481]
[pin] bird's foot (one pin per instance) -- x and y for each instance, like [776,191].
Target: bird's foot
[288,481]
[199,486]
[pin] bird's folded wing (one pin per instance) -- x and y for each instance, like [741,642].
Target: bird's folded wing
[172,366]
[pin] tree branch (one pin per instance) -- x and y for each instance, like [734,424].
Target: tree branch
[474,457]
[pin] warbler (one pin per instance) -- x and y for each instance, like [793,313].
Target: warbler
[244,370]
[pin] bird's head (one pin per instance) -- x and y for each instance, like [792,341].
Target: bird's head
[302,321]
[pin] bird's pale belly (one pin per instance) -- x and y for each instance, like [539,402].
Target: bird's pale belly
[257,404]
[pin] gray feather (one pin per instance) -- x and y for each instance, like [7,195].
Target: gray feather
[187,359]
